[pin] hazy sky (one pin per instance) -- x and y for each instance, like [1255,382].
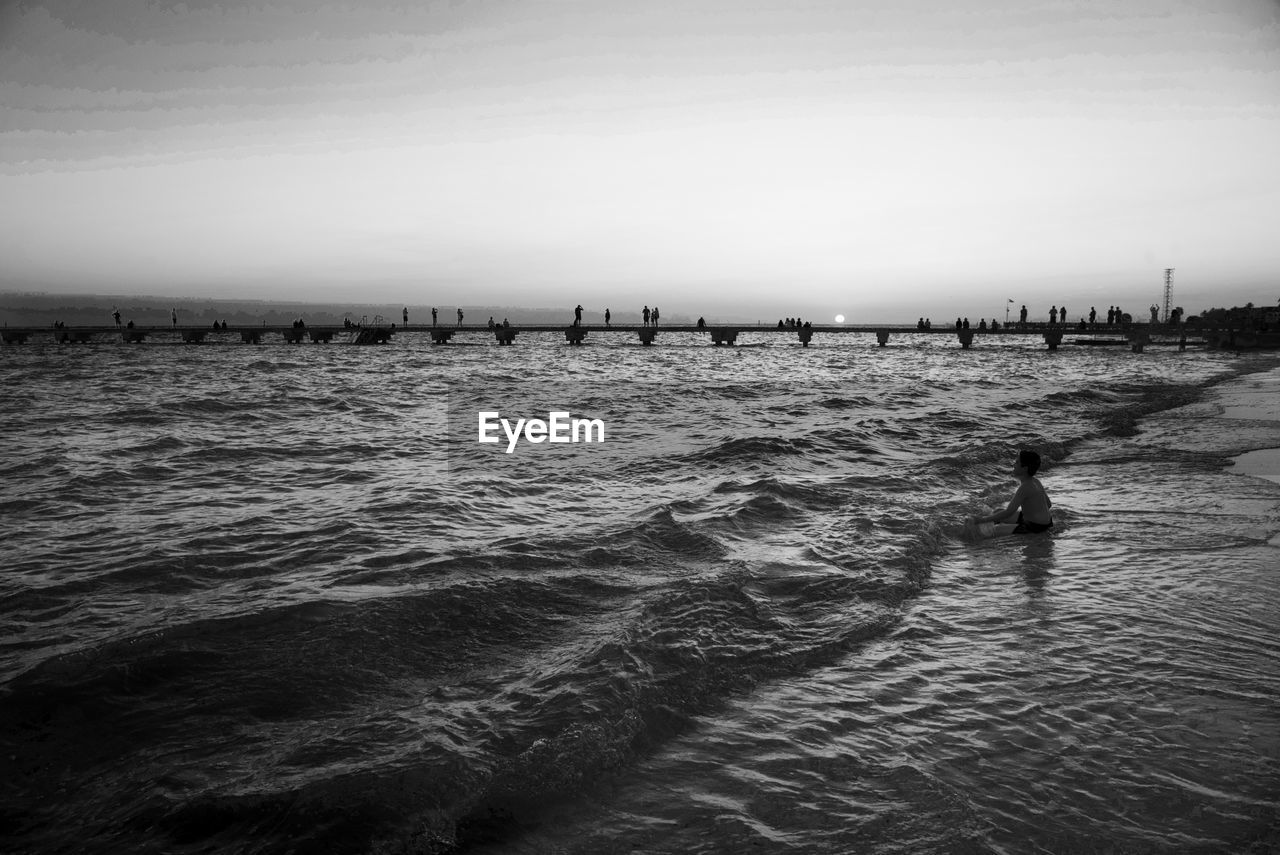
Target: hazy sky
[881,158]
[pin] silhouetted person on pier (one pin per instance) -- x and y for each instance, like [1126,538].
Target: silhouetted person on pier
[655,316]
[577,316]
[702,323]
[928,323]
[1111,315]
[129,325]
[606,317]
[1062,314]
[1053,315]
[506,324]
[920,324]
[966,323]
[491,323]
[1155,314]
[645,315]
[174,316]
[1093,316]
[957,323]
[459,317]
[1082,325]
[115,313]
[215,325]
[405,315]
[433,316]
[982,323]
[1022,316]
[995,325]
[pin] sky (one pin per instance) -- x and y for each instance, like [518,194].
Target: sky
[880,159]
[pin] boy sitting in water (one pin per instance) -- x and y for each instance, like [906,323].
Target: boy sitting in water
[1030,502]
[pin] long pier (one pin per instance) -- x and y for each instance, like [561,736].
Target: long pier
[1137,336]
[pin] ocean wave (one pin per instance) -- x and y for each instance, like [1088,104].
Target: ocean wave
[288,629]
[749,448]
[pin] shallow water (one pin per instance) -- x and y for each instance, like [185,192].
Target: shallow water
[273,598]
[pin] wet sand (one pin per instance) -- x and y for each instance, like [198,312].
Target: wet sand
[1255,398]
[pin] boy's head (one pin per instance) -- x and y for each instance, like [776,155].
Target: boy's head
[1029,461]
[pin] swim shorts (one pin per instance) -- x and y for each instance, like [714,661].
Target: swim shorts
[1027,527]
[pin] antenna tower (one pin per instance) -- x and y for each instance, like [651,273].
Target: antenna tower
[1168,292]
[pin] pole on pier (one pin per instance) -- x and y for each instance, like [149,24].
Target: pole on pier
[1168,292]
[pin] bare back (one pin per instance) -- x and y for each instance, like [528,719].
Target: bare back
[1034,502]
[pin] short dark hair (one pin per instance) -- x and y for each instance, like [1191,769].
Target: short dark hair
[1029,461]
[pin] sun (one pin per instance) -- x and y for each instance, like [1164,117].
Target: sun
[839,319]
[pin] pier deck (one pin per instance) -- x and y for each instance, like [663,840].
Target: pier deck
[1137,336]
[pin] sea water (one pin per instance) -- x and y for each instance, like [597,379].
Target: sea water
[274,599]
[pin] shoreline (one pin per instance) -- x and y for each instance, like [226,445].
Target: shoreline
[1254,397]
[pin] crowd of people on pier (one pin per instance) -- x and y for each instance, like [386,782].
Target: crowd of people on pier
[648,316]
[1057,316]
